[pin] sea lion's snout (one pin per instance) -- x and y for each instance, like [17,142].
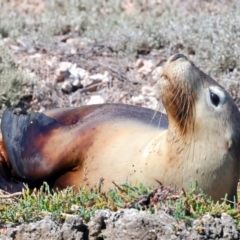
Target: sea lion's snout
[178,66]
[177,56]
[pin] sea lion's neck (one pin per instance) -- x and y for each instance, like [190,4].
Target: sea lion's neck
[8,182]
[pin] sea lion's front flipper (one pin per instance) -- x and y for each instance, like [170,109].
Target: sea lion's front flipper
[7,182]
[24,139]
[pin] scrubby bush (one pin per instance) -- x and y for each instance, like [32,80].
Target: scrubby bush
[12,81]
[212,37]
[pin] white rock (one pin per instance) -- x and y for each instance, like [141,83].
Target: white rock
[14,47]
[148,91]
[156,73]
[148,66]
[64,66]
[74,72]
[73,51]
[86,82]
[95,99]
[137,99]
[73,67]
[52,62]
[37,55]
[76,41]
[74,207]
[96,78]
[139,63]
[63,72]
[107,77]
[82,73]
[49,63]
[72,41]
[60,75]
[101,77]
[67,87]
[151,102]
[77,83]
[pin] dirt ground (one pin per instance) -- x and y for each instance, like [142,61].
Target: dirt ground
[73,53]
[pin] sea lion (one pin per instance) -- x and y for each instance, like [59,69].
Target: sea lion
[198,140]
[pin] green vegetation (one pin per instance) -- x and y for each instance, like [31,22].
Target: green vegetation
[32,206]
[12,81]
[192,205]
[213,37]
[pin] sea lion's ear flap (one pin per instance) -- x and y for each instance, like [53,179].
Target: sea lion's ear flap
[22,141]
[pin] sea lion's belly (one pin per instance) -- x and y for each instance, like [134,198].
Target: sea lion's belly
[122,151]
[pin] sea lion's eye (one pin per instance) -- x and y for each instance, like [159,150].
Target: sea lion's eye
[214,98]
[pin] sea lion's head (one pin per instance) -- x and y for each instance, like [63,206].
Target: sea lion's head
[204,126]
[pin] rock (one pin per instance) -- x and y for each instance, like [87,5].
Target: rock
[214,228]
[139,63]
[73,228]
[146,99]
[230,230]
[26,44]
[66,87]
[36,55]
[147,68]
[83,74]
[208,225]
[76,41]
[74,71]
[97,223]
[51,62]
[148,90]
[126,224]
[95,99]
[129,6]
[76,83]
[104,78]
[132,224]
[151,102]
[74,207]
[63,72]
[65,66]
[156,73]
[44,229]
[137,100]
[70,71]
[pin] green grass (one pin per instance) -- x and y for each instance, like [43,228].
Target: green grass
[33,206]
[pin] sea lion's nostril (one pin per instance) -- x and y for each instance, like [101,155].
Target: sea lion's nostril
[177,56]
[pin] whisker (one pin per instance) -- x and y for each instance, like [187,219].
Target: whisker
[185,118]
[158,107]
